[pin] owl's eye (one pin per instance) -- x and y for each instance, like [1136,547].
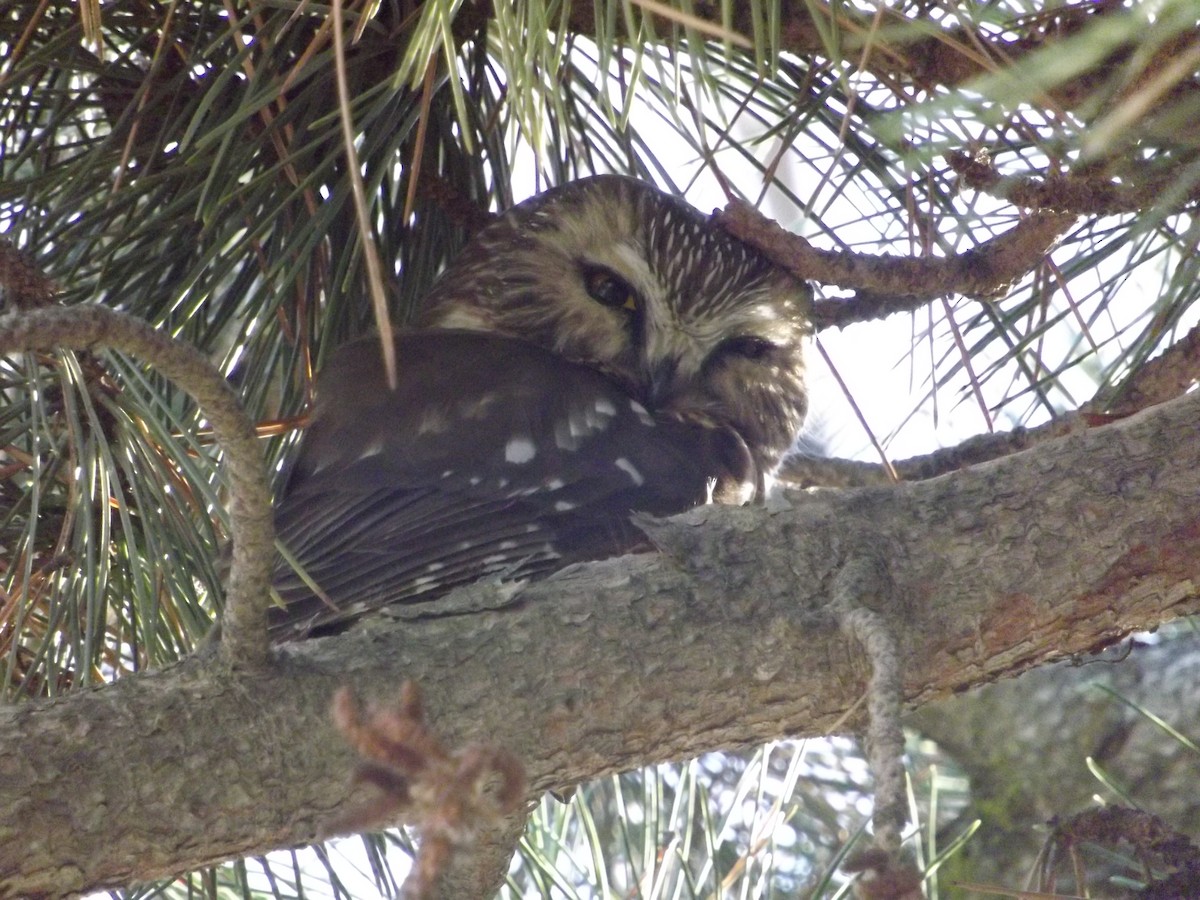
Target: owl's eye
[605,286]
[747,346]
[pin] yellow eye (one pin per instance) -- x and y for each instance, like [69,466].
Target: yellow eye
[609,288]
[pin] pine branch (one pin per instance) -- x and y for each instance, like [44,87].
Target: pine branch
[1061,551]
[244,623]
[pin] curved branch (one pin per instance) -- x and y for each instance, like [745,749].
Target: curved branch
[802,471]
[893,284]
[244,634]
[862,586]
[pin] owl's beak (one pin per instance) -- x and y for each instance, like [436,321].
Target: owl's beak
[661,378]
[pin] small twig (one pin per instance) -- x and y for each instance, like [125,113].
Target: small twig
[244,640]
[450,795]
[1170,855]
[454,204]
[863,579]
[893,284]
[884,462]
[802,471]
[862,582]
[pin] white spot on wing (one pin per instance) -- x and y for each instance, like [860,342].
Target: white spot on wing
[579,428]
[433,422]
[564,505]
[565,437]
[477,407]
[372,449]
[631,470]
[519,450]
[642,413]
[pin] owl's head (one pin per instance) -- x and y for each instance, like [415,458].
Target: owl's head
[613,273]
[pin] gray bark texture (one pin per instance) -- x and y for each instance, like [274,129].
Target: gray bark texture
[723,639]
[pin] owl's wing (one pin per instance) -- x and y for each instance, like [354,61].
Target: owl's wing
[493,458]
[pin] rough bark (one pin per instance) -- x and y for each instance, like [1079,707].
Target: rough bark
[722,640]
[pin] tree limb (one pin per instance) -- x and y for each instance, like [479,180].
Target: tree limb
[894,284]
[724,639]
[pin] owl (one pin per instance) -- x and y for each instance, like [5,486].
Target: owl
[599,350]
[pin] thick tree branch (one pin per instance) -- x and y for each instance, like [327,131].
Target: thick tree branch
[724,639]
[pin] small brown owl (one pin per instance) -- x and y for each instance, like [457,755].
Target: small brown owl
[600,349]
